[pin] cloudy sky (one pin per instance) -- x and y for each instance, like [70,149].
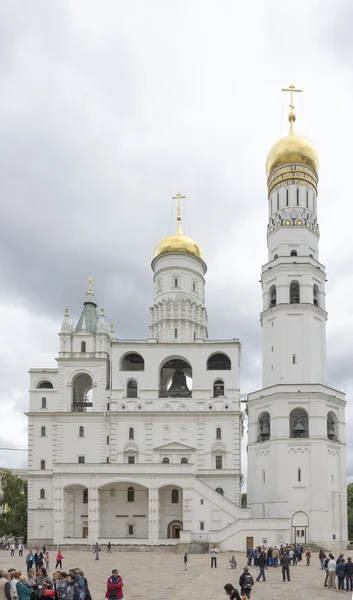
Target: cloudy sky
[107,109]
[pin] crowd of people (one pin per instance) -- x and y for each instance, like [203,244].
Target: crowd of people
[34,582]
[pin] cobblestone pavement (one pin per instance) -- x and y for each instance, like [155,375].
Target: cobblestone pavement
[161,576]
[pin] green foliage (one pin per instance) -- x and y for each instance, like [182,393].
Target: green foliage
[350,510]
[244,499]
[13,520]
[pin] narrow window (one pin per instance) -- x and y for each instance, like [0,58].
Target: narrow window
[271,367]
[294,253]
[85,496]
[273,296]
[294,292]
[297,197]
[287,198]
[299,475]
[81,431]
[130,494]
[184,461]
[218,388]
[218,433]
[107,440]
[83,346]
[44,403]
[277,201]
[194,336]
[42,494]
[81,460]
[201,501]
[194,286]
[219,462]
[294,359]
[131,389]
[307,199]
[202,526]
[107,459]
[131,460]
[332,479]
[271,348]
[108,406]
[131,530]
[131,433]
[315,295]
[42,465]
[175,496]
[176,282]
[175,333]
[165,461]
[42,431]
[263,476]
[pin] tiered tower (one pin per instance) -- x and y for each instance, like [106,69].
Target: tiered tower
[296,422]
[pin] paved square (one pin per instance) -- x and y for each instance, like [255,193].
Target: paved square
[161,576]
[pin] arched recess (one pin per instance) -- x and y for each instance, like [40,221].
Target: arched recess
[300,528]
[174,529]
[299,423]
[331,425]
[82,392]
[44,385]
[131,388]
[170,510]
[294,292]
[218,388]
[263,427]
[273,296]
[316,292]
[132,361]
[175,378]
[219,361]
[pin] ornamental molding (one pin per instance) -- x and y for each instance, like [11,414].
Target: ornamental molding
[131,447]
[218,447]
[296,449]
[333,452]
[293,175]
[297,216]
[262,452]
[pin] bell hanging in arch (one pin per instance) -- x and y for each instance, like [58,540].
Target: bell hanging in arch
[179,388]
[299,428]
[265,430]
[331,434]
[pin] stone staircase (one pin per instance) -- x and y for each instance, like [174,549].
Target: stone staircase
[198,548]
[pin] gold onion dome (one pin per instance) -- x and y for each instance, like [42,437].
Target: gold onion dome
[178,242]
[292,149]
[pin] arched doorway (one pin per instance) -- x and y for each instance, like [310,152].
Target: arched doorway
[300,528]
[174,529]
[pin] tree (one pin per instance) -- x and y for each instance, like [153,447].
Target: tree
[350,510]
[13,520]
[244,500]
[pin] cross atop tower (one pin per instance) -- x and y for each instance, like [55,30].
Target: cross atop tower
[292,89]
[90,290]
[178,197]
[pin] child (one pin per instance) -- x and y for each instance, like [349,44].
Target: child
[232,563]
[47,560]
[186,560]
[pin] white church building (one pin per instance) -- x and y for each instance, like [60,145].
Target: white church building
[139,442]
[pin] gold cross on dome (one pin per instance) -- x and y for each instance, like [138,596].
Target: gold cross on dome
[178,197]
[90,279]
[292,89]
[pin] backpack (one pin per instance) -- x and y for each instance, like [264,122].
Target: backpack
[247,583]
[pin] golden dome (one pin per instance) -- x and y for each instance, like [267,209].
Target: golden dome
[178,242]
[292,149]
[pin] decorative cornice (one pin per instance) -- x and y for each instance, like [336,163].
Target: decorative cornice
[293,175]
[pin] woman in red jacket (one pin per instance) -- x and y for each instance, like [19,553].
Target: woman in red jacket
[115,586]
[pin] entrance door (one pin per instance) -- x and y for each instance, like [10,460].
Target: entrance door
[299,534]
[176,528]
[249,542]
[85,531]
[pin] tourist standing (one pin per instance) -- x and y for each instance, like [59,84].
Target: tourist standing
[348,571]
[4,585]
[322,557]
[29,560]
[59,559]
[331,568]
[308,557]
[109,548]
[12,549]
[114,586]
[72,589]
[261,561]
[186,561]
[61,586]
[246,581]
[47,561]
[275,555]
[31,578]
[231,592]
[20,549]
[214,552]
[14,577]
[285,562]
[23,591]
[233,563]
[249,554]
[96,551]
[340,574]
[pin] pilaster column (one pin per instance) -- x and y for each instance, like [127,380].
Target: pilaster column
[59,512]
[187,508]
[93,513]
[153,516]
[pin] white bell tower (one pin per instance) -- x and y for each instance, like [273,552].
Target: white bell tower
[296,448]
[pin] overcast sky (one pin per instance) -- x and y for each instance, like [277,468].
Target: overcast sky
[107,109]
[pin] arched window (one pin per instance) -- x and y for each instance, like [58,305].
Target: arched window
[83,346]
[184,461]
[294,292]
[130,494]
[275,256]
[132,362]
[218,388]
[45,385]
[219,362]
[44,403]
[294,359]
[264,427]
[42,465]
[316,295]
[131,433]
[165,461]
[331,426]
[273,296]
[42,431]
[42,494]
[175,496]
[299,423]
[131,388]
[294,253]
[220,491]
[218,433]
[85,496]
[81,431]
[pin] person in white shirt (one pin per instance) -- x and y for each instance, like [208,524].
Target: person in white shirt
[20,549]
[214,553]
[331,569]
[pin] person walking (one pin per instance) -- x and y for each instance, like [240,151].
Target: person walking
[20,549]
[308,557]
[322,557]
[115,586]
[275,555]
[109,548]
[186,561]
[47,561]
[246,581]
[249,555]
[331,568]
[231,592]
[214,552]
[96,550]
[348,571]
[59,559]
[285,562]
[340,574]
[29,560]
[261,561]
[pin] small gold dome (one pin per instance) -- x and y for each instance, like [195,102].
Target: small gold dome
[292,149]
[178,243]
